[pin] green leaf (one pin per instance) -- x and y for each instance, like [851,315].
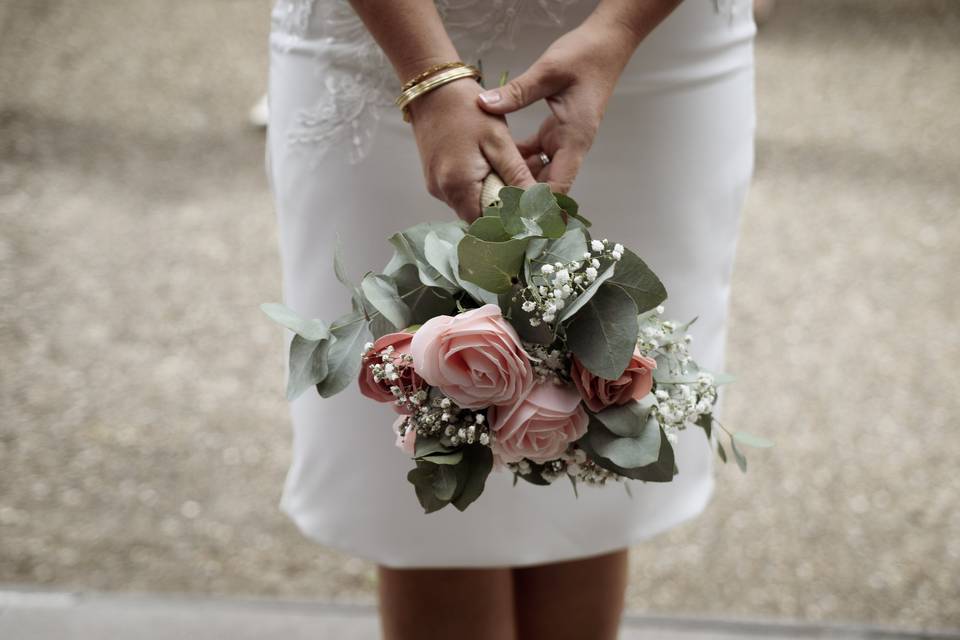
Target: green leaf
[422,478]
[343,357]
[626,452]
[603,335]
[638,280]
[580,301]
[438,253]
[567,248]
[425,446]
[489,229]
[750,440]
[662,470]
[492,266]
[445,458]
[538,205]
[510,200]
[520,319]
[444,482]
[285,316]
[338,269]
[572,209]
[478,461]
[628,420]
[739,457]
[721,452]
[308,364]
[424,302]
[411,242]
[705,422]
[381,292]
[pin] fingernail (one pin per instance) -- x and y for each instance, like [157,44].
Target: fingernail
[490,97]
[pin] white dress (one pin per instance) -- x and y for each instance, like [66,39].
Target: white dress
[667,175]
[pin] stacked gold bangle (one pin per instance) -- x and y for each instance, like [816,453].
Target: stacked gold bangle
[435,76]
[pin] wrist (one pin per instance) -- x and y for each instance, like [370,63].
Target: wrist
[444,98]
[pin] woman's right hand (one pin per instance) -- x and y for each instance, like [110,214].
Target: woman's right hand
[460,145]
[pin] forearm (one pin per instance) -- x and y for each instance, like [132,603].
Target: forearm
[637,18]
[410,32]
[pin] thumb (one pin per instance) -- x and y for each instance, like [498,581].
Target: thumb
[520,92]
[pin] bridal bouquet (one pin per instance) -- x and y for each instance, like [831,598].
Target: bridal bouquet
[519,342]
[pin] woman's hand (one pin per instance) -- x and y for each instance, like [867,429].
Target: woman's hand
[460,145]
[576,76]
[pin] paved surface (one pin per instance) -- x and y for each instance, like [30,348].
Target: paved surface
[67,616]
[143,438]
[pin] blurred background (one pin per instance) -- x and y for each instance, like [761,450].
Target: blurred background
[143,429]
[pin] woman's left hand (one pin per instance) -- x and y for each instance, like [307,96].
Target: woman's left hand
[576,75]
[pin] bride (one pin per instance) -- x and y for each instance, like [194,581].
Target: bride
[667,173]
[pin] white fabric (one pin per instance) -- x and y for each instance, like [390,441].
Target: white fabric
[667,176]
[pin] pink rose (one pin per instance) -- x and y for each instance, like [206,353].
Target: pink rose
[540,426]
[633,384]
[407,379]
[406,442]
[475,358]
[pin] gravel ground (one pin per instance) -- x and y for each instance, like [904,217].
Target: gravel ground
[143,435]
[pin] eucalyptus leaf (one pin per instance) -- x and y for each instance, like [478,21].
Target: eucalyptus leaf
[721,452]
[424,302]
[445,458]
[571,208]
[308,364]
[603,335]
[338,270]
[478,462]
[751,440]
[638,280]
[626,452]
[738,456]
[520,320]
[425,446]
[438,253]
[343,357]
[489,229]
[538,205]
[705,422]
[581,300]
[287,317]
[493,266]
[569,247]
[629,420]
[444,482]
[662,470]
[510,200]
[381,292]
[422,480]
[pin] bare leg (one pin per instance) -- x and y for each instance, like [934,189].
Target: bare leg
[466,604]
[576,599]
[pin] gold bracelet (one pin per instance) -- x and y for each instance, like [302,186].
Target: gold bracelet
[431,83]
[420,77]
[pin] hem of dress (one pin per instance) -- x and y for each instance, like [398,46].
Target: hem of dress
[326,537]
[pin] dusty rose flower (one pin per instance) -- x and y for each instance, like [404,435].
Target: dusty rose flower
[475,358]
[407,441]
[540,426]
[407,379]
[633,384]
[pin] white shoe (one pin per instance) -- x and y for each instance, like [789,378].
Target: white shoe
[259,113]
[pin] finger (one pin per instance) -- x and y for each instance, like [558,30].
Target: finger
[466,202]
[530,146]
[562,170]
[536,83]
[536,166]
[506,161]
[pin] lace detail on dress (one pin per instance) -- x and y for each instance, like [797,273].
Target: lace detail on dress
[358,80]
[497,20]
[292,17]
